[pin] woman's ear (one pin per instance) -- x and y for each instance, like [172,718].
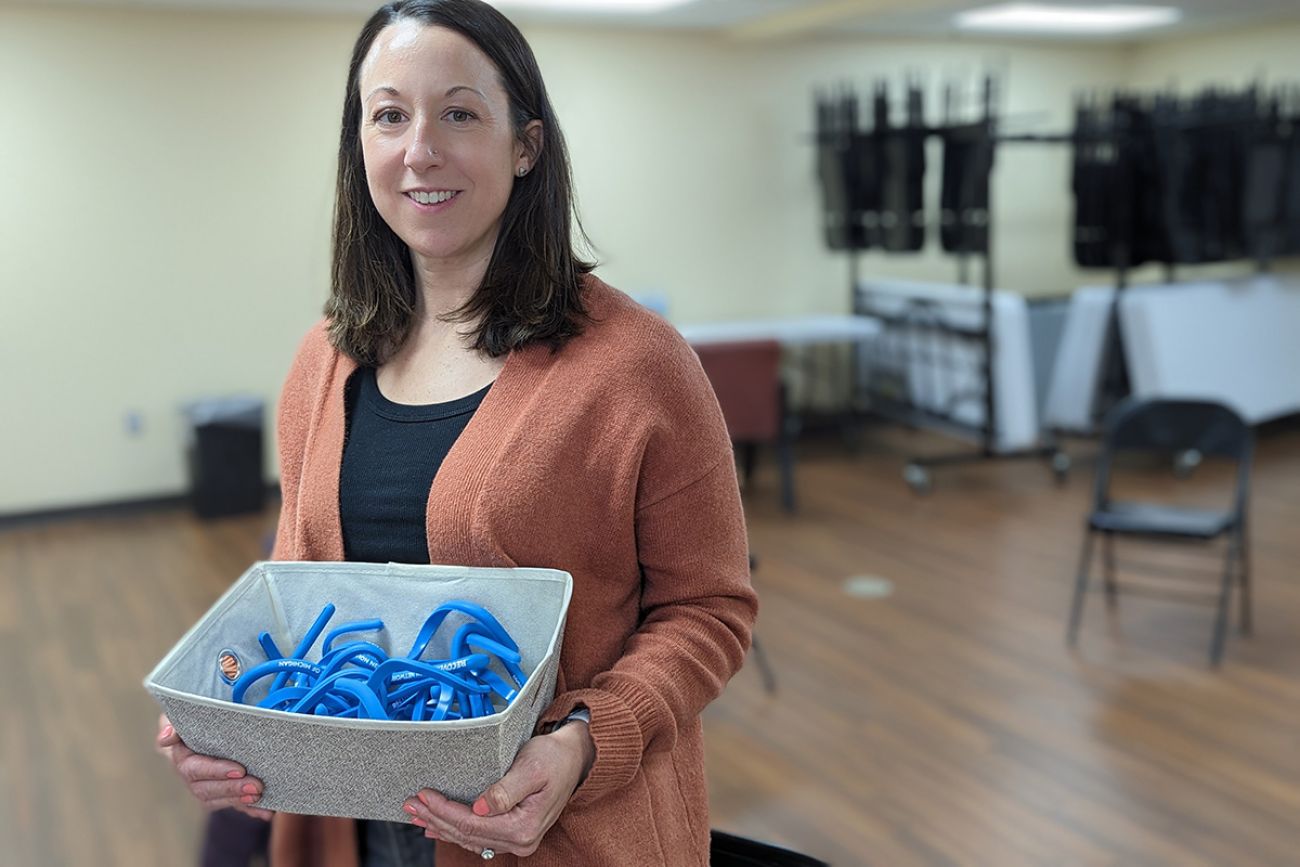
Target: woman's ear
[530,143]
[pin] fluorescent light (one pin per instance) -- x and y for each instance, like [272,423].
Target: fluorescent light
[1039,18]
[636,6]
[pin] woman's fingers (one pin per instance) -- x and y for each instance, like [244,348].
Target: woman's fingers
[455,823]
[439,829]
[227,793]
[515,813]
[522,780]
[167,738]
[264,815]
[215,782]
[194,767]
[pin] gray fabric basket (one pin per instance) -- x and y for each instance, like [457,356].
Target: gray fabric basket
[364,769]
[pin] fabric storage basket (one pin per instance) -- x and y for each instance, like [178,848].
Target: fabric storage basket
[348,767]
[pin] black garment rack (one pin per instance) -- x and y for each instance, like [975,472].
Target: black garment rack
[921,320]
[1266,120]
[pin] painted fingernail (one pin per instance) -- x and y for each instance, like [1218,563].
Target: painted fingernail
[408,808]
[248,799]
[167,732]
[481,807]
[249,788]
[234,775]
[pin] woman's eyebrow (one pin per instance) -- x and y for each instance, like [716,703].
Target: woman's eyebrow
[392,91]
[389,89]
[461,87]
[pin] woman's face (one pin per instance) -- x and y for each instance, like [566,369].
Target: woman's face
[440,154]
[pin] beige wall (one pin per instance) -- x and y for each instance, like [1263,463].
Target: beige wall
[695,165]
[167,181]
[1237,57]
[164,204]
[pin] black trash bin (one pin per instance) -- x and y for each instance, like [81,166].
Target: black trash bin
[225,455]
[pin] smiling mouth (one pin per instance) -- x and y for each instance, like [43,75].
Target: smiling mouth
[437,198]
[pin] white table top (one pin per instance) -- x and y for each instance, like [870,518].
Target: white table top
[789,331]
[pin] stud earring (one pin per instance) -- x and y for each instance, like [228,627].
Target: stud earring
[523,170]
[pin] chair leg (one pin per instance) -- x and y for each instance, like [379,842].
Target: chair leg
[1080,589]
[748,458]
[1243,561]
[1225,602]
[764,666]
[785,454]
[1108,570]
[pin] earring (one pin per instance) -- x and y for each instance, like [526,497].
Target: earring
[523,170]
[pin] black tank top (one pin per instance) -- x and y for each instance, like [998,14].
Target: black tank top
[390,457]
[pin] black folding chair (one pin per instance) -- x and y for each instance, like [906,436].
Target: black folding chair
[760,655]
[1185,430]
[728,850]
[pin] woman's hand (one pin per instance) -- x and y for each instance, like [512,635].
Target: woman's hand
[215,782]
[514,814]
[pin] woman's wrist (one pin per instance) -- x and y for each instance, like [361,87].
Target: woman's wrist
[575,728]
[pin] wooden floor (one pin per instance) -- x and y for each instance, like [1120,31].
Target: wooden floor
[945,724]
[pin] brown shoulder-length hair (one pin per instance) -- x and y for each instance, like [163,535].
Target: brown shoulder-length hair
[532,289]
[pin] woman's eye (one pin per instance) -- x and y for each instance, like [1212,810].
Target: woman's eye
[458,115]
[389,115]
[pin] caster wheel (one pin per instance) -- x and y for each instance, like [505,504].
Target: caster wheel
[1185,463]
[1060,466]
[917,478]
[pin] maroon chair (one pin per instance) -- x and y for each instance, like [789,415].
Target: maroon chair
[746,377]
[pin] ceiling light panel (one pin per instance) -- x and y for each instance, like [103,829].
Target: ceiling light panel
[1094,20]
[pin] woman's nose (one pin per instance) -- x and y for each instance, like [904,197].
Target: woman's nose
[422,150]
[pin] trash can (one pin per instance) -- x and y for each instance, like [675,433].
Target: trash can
[225,455]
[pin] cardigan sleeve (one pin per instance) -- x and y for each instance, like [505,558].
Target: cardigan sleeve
[293,418]
[697,603]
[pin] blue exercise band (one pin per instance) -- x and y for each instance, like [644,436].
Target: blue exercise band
[309,639]
[359,680]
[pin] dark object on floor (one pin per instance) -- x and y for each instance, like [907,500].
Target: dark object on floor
[1186,431]
[728,850]
[225,456]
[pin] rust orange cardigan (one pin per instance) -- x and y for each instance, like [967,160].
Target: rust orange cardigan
[610,460]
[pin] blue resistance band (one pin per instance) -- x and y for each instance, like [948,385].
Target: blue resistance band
[359,680]
[307,641]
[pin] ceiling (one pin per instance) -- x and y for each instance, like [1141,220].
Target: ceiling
[779,19]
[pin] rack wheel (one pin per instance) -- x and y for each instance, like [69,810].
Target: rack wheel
[1060,466]
[1186,462]
[917,478]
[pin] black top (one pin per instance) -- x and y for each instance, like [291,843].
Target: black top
[390,456]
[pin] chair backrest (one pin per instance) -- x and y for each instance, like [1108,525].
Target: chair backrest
[746,377]
[730,850]
[1168,425]
[1171,426]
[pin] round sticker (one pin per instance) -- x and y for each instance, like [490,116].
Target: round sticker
[228,665]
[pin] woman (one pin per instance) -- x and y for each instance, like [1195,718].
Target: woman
[567,427]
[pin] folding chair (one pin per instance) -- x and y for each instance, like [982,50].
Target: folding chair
[729,850]
[1186,430]
[746,377]
[760,655]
